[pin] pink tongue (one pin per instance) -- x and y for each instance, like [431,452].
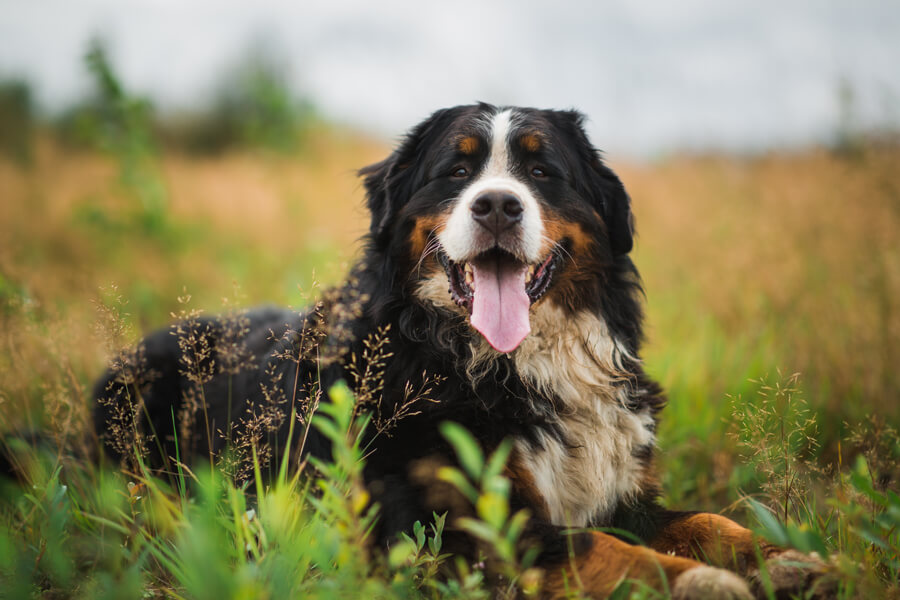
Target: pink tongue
[500,307]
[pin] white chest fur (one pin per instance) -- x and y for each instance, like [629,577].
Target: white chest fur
[576,360]
[573,358]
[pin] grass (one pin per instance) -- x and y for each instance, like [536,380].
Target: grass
[782,262]
[117,535]
[755,269]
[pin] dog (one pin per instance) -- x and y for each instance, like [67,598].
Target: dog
[496,271]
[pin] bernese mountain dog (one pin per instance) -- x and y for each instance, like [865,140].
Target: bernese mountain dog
[497,269]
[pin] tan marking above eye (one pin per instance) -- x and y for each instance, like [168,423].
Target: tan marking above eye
[468,145]
[530,142]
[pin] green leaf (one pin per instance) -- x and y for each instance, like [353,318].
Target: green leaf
[340,395]
[493,509]
[806,540]
[340,408]
[437,528]
[497,461]
[517,524]
[479,529]
[622,591]
[496,485]
[419,531]
[860,477]
[401,553]
[328,428]
[467,449]
[459,481]
[893,499]
[888,520]
[772,529]
[872,538]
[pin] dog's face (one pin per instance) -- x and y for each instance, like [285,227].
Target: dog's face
[488,211]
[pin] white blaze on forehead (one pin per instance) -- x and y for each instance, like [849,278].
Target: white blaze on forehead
[498,161]
[457,238]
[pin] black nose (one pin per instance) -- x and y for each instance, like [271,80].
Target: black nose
[497,211]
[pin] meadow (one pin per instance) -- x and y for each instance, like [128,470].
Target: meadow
[773,312]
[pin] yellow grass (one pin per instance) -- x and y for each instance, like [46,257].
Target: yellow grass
[785,261]
[803,246]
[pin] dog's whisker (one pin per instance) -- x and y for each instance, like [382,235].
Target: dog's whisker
[431,247]
[558,248]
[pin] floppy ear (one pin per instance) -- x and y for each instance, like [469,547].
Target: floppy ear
[390,183]
[616,207]
[378,192]
[603,188]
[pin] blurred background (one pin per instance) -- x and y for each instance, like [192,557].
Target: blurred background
[653,76]
[157,154]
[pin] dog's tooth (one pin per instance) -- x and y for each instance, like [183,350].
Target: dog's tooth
[470,278]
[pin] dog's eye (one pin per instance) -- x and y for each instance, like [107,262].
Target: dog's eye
[538,173]
[460,172]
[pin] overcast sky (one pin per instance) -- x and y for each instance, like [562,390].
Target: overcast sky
[651,76]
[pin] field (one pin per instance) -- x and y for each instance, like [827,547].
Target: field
[773,305]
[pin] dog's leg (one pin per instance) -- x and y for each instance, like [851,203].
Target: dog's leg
[720,541]
[711,538]
[598,562]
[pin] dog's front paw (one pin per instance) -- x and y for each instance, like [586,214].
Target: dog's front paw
[793,573]
[710,582]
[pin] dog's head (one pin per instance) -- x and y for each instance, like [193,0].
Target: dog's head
[488,211]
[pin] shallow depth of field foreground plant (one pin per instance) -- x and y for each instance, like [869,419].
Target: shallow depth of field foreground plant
[106,534]
[78,531]
[845,513]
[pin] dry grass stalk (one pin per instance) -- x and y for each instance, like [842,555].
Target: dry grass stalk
[778,432]
[123,395]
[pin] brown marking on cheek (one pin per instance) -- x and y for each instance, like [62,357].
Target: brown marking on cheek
[423,229]
[531,142]
[557,230]
[468,145]
[714,539]
[580,268]
[575,283]
[524,485]
[597,570]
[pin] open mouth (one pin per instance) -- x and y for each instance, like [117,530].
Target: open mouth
[497,290]
[462,275]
